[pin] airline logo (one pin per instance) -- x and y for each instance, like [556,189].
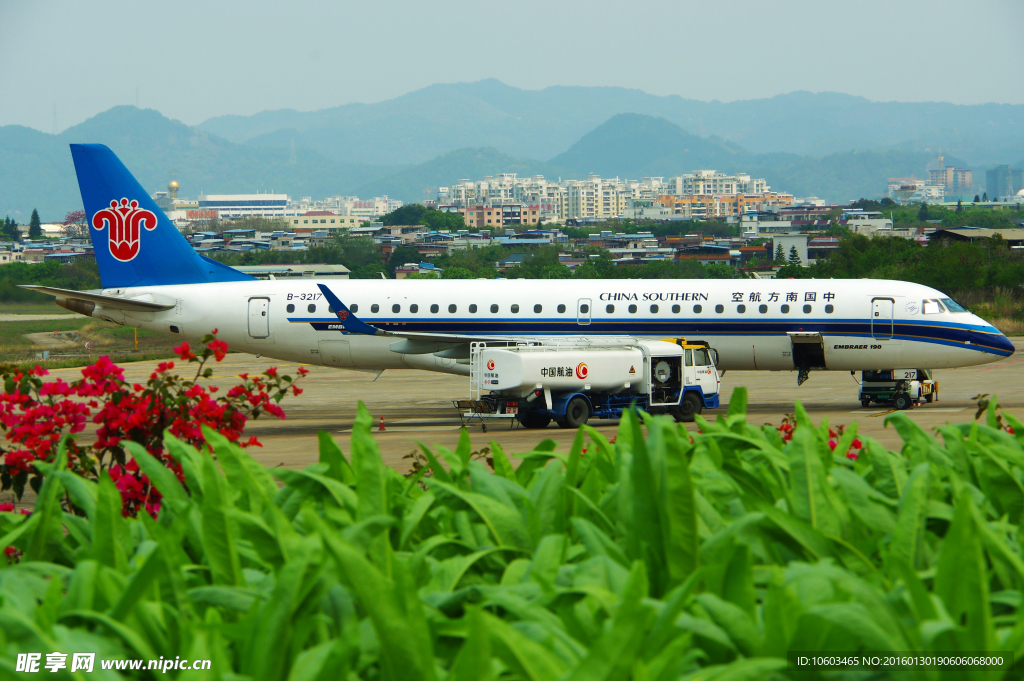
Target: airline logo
[125,221]
[581,370]
[490,365]
[342,315]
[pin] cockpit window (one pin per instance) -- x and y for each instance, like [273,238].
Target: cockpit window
[931,307]
[953,306]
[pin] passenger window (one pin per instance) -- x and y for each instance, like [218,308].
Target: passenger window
[472,308]
[353,308]
[807,309]
[785,309]
[931,307]
[676,309]
[434,308]
[537,309]
[396,308]
[719,309]
[609,309]
[689,358]
[515,309]
[829,309]
[375,308]
[632,309]
[763,309]
[741,308]
[311,307]
[697,309]
[701,357]
[414,308]
[494,309]
[290,308]
[452,308]
[561,309]
[654,308]
[584,309]
[330,309]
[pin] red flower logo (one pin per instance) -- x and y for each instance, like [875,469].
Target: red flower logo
[125,221]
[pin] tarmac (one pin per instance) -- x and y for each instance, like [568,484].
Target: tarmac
[416,406]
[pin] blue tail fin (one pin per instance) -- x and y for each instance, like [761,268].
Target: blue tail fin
[134,242]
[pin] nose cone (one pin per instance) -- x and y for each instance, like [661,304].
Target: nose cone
[1002,345]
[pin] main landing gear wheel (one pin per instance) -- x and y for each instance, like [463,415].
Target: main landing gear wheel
[577,412]
[534,420]
[902,401]
[690,407]
[865,403]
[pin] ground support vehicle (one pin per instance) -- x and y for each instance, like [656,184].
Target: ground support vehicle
[901,388]
[571,383]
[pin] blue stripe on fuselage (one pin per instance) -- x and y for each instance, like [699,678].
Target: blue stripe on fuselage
[981,339]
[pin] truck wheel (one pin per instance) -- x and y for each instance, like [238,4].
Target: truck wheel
[690,407]
[534,420]
[902,401]
[865,403]
[577,412]
[929,397]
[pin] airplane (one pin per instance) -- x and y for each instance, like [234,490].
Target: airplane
[153,279]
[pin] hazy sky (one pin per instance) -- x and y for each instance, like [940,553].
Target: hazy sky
[192,60]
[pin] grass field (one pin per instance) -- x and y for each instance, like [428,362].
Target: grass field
[107,339]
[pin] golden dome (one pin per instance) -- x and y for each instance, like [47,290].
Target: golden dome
[173,184]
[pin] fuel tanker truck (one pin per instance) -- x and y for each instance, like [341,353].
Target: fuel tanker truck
[572,383]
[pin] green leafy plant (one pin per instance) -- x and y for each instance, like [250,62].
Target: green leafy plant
[652,557]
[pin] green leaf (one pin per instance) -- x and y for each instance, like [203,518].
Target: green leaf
[527,659]
[907,538]
[811,492]
[244,475]
[961,579]
[110,534]
[504,524]
[393,607]
[473,663]
[331,454]
[174,496]
[502,466]
[615,653]
[45,540]
[219,540]
[681,542]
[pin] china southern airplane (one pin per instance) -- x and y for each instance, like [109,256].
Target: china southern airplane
[153,279]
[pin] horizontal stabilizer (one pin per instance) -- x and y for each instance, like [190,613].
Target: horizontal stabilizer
[108,302]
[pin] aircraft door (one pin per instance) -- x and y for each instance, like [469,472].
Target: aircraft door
[881,318]
[259,317]
[583,311]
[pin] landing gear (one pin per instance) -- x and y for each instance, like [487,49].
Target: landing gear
[802,376]
[534,420]
[865,403]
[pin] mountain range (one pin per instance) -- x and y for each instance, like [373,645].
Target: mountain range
[830,145]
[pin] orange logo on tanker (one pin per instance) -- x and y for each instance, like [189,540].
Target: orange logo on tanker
[490,365]
[582,370]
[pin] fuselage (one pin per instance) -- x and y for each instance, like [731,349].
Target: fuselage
[776,325]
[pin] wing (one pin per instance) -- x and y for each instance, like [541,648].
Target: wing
[444,344]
